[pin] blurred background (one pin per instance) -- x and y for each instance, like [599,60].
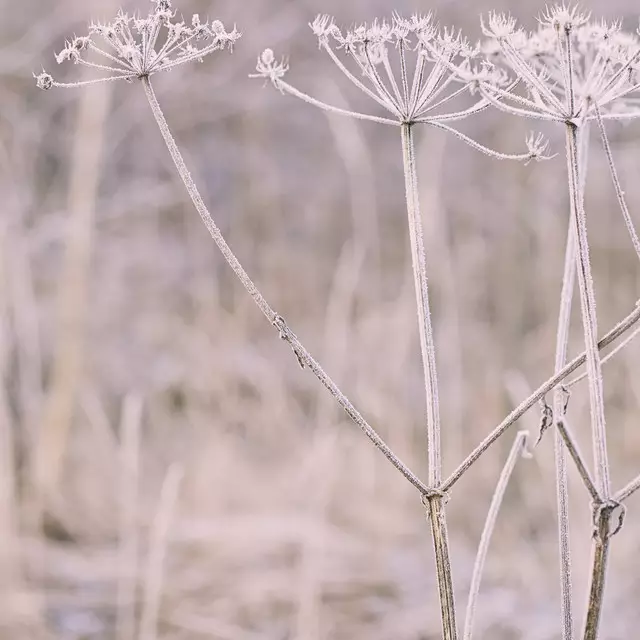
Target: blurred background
[200,484]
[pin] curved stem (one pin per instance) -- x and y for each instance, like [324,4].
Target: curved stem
[304,357]
[290,89]
[517,450]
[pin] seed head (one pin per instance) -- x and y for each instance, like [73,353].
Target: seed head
[43,81]
[563,17]
[132,43]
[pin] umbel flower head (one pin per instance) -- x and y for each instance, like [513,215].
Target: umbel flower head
[409,66]
[135,47]
[570,69]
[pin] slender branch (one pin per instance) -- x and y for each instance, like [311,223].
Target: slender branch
[608,357]
[616,183]
[477,146]
[363,87]
[622,327]
[300,351]
[517,450]
[628,490]
[285,86]
[572,447]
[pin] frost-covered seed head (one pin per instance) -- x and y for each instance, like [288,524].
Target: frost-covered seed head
[44,81]
[138,47]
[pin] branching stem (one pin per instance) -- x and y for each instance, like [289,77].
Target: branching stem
[304,357]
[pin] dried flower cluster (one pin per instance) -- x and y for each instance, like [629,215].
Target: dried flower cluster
[138,47]
[409,66]
[567,69]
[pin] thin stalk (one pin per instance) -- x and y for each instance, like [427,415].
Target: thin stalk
[517,450]
[628,490]
[589,319]
[572,447]
[425,330]
[304,357]
[600,548]
[606,359]
[437,517]
[620,329]
[434,502]
[616,183]
[562,342]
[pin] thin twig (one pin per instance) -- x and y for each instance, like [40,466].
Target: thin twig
[606,359]
[616,183]
[578,458]
[517,450]
[628,490]
[304,357]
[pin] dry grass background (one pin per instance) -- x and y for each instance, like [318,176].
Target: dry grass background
[205,476]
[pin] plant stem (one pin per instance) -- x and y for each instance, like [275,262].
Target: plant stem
[600,556]
[422,299]
[437,517]
[589,319]
[562,342]
[304,357]
[518,449]
[598,427]
[435,502]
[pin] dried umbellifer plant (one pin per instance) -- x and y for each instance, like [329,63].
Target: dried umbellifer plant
[573,71]
[445,67]
[136,48]
[425,74]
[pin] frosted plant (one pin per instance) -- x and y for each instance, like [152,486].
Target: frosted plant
[133,47]
[411,69]
[444,68]
[139,58]
[573,71]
